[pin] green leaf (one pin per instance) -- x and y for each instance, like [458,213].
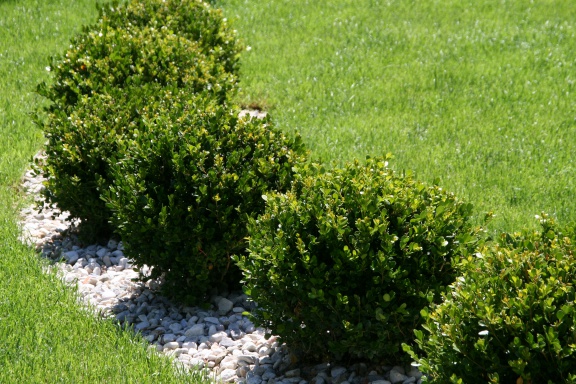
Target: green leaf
[424,313]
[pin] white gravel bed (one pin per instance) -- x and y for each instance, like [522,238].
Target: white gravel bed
[219,338]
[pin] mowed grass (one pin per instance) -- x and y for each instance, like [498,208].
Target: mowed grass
[45,335]
[478,94]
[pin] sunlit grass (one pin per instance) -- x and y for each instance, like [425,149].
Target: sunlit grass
[479,94]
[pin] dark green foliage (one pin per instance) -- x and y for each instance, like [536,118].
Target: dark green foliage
[191,176]
[77,161]
[342,265]
[108,76]
[509,316]
[82,145]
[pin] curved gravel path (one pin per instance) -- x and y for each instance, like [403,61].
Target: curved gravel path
[220,338]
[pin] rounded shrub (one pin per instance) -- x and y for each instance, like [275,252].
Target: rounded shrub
[102,84]
[102,59]
[509,318]
[343,263]
[84,143]
[191,176]
[193,19]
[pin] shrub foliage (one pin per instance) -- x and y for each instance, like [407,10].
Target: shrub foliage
[195,20]
[84,144]
[343,263]
[105,58]
[110,73]
[192,174]
[509,318]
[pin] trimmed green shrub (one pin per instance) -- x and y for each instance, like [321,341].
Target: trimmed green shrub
[192,175]
[343,263]
[509,318]
[83,144]
[106,58]
[193,19]
[108,76]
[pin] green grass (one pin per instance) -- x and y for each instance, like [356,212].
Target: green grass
[479,94]
[46,336]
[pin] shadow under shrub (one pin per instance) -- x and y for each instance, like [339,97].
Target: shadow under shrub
[509,318]
[190,178]
[343,263]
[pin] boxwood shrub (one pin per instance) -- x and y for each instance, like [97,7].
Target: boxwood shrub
[106,58]
[84,143]
[192,175]
[108,76]
[509,318]
[343,263]
[193,19]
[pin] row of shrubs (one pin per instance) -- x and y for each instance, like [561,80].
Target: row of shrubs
[346,263]
[509,316]
[145,144]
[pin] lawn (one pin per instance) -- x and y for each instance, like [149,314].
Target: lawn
[477,94]
[47,336]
